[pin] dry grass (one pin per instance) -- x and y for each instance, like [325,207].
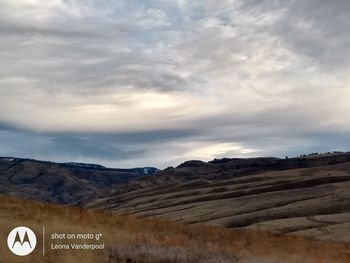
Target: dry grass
[245,201]
[174,254]
[129,239]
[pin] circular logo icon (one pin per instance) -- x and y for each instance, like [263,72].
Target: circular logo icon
[21,241]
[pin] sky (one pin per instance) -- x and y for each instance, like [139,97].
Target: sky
[154,83]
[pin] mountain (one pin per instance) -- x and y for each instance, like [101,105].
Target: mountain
[65,183]
[228,168]
[308,195]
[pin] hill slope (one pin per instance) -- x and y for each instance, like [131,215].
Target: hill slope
[127,239]
[309,196]
[264,193]
[65,183]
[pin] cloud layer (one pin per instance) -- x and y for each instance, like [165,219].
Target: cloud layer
[128,83]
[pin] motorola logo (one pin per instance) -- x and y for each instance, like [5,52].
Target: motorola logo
[21,241]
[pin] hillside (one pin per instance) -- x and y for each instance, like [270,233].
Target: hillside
[65,183]
[127,239]
[305,196]
[308,196]
[228,168]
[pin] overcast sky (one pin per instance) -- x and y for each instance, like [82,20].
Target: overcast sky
[156,82]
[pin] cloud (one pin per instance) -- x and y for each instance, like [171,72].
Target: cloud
[164,81]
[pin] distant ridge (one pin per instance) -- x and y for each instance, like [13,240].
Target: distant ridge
[142,170]
[307,195]
[66,183]
[73,183]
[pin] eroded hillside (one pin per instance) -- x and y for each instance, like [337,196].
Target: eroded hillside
[269,194]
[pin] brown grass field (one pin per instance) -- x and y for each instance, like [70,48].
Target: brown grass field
[129,239]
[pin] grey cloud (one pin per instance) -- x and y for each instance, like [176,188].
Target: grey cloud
[318,29]
[76,147]
[5,126]
[65,148]
[122,149]
[148,137]
[312,28]
[66,51]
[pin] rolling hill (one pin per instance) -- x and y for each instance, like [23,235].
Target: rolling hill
[64,183]
[132,240]
[308,196]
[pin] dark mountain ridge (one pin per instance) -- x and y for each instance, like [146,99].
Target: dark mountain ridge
[291,195]
[308,195]
[65,183]
[89,166]
[77,183]
[226,168]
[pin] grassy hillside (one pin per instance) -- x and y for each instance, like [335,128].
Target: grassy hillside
[65,183]
[149,240]
[311,201]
